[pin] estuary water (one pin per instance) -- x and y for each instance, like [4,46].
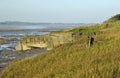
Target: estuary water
[34,29]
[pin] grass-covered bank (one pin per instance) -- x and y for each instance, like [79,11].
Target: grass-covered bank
[75,60]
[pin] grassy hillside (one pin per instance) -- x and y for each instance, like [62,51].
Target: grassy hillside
[114,18]
[75,60]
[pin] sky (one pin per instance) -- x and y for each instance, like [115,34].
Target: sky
[58,11]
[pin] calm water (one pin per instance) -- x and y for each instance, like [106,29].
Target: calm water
[41,26]
[47,27]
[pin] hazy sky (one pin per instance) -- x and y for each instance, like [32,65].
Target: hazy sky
[76,11]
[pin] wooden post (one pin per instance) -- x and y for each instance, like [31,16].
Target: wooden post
[21,45]
[90,41]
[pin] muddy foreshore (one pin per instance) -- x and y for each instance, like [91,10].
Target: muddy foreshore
[6,56]
[7,47]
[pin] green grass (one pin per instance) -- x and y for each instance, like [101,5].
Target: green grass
[75,60]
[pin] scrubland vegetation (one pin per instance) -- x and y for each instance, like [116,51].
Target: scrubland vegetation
[75,60]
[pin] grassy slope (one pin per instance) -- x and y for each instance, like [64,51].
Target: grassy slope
[75,60]
[114,18]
